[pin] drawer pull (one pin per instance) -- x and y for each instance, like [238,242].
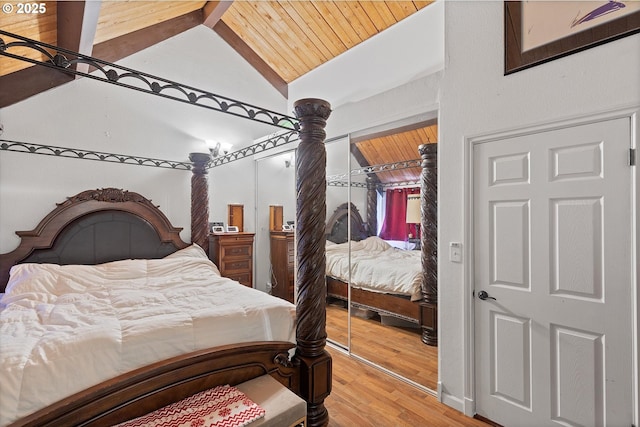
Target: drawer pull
[237,266]
[237,251]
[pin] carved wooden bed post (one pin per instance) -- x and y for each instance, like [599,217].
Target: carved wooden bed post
[200,200]
[372,207]
[429,243]
[311,212]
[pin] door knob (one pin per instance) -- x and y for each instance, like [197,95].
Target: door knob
[483,295]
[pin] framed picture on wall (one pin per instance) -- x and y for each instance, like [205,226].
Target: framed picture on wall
[536,32]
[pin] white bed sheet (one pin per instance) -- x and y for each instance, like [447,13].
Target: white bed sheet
[376,266]
[66,328]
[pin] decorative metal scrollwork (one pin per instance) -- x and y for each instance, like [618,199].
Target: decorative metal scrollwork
[388,167]
[272,142]
[340,180]
[399,184]
[115,74]
[51,150]
[340,183]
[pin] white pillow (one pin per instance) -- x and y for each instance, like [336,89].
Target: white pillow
[57,279]
[193,251]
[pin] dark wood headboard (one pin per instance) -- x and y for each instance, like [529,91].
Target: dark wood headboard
[337,230]
[94,227]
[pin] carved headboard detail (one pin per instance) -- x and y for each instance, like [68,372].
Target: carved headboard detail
[93,227]
[337,227]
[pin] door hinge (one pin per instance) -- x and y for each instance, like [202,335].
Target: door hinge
[632,156]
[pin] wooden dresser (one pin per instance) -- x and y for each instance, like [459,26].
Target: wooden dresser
[233,254]
[282,264]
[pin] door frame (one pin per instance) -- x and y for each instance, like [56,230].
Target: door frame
[630,113]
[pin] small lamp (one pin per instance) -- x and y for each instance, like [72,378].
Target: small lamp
[413,212]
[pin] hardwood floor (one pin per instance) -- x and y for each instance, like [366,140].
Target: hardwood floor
[363,396]
[398,349]
[366,396]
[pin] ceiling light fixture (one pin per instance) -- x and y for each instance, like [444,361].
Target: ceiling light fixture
[218,148]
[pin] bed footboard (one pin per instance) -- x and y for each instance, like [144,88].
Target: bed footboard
[392,305]
[149,388]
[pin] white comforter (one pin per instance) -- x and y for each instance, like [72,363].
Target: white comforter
[66,328]
[376,266]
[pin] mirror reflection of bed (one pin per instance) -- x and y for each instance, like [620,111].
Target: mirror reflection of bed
[384,269]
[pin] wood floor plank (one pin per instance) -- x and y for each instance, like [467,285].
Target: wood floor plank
[397,349]
[364,396]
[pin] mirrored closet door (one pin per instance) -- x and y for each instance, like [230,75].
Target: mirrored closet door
[373,240]
[385,254]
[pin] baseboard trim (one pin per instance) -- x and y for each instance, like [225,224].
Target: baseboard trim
[469,407]
[450,400]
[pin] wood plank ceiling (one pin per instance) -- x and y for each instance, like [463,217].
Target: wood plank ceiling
[398,146]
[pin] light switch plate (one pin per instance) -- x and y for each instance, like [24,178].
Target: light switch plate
[455,252]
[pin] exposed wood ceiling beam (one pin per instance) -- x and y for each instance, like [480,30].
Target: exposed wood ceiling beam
[362,162]
[77,24]
[28,82]
[120,47]
[252,57]
[213,11]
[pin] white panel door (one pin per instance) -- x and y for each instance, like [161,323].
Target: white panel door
[552,260]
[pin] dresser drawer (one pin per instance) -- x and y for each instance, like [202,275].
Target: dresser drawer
[282,264]
[230,265]
[233,254]
[244,278]
[236,251]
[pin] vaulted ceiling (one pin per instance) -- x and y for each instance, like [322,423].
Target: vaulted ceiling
[283,39]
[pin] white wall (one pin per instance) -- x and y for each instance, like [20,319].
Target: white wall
[233,183]
[477,99]
[412,102]
[31,185]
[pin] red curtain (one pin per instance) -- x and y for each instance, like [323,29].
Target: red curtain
[394,226]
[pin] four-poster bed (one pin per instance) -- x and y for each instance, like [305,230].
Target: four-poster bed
[79,231]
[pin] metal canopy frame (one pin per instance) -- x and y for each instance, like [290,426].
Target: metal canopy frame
[58,59]
[78,153]
[66,60]
[341,180]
